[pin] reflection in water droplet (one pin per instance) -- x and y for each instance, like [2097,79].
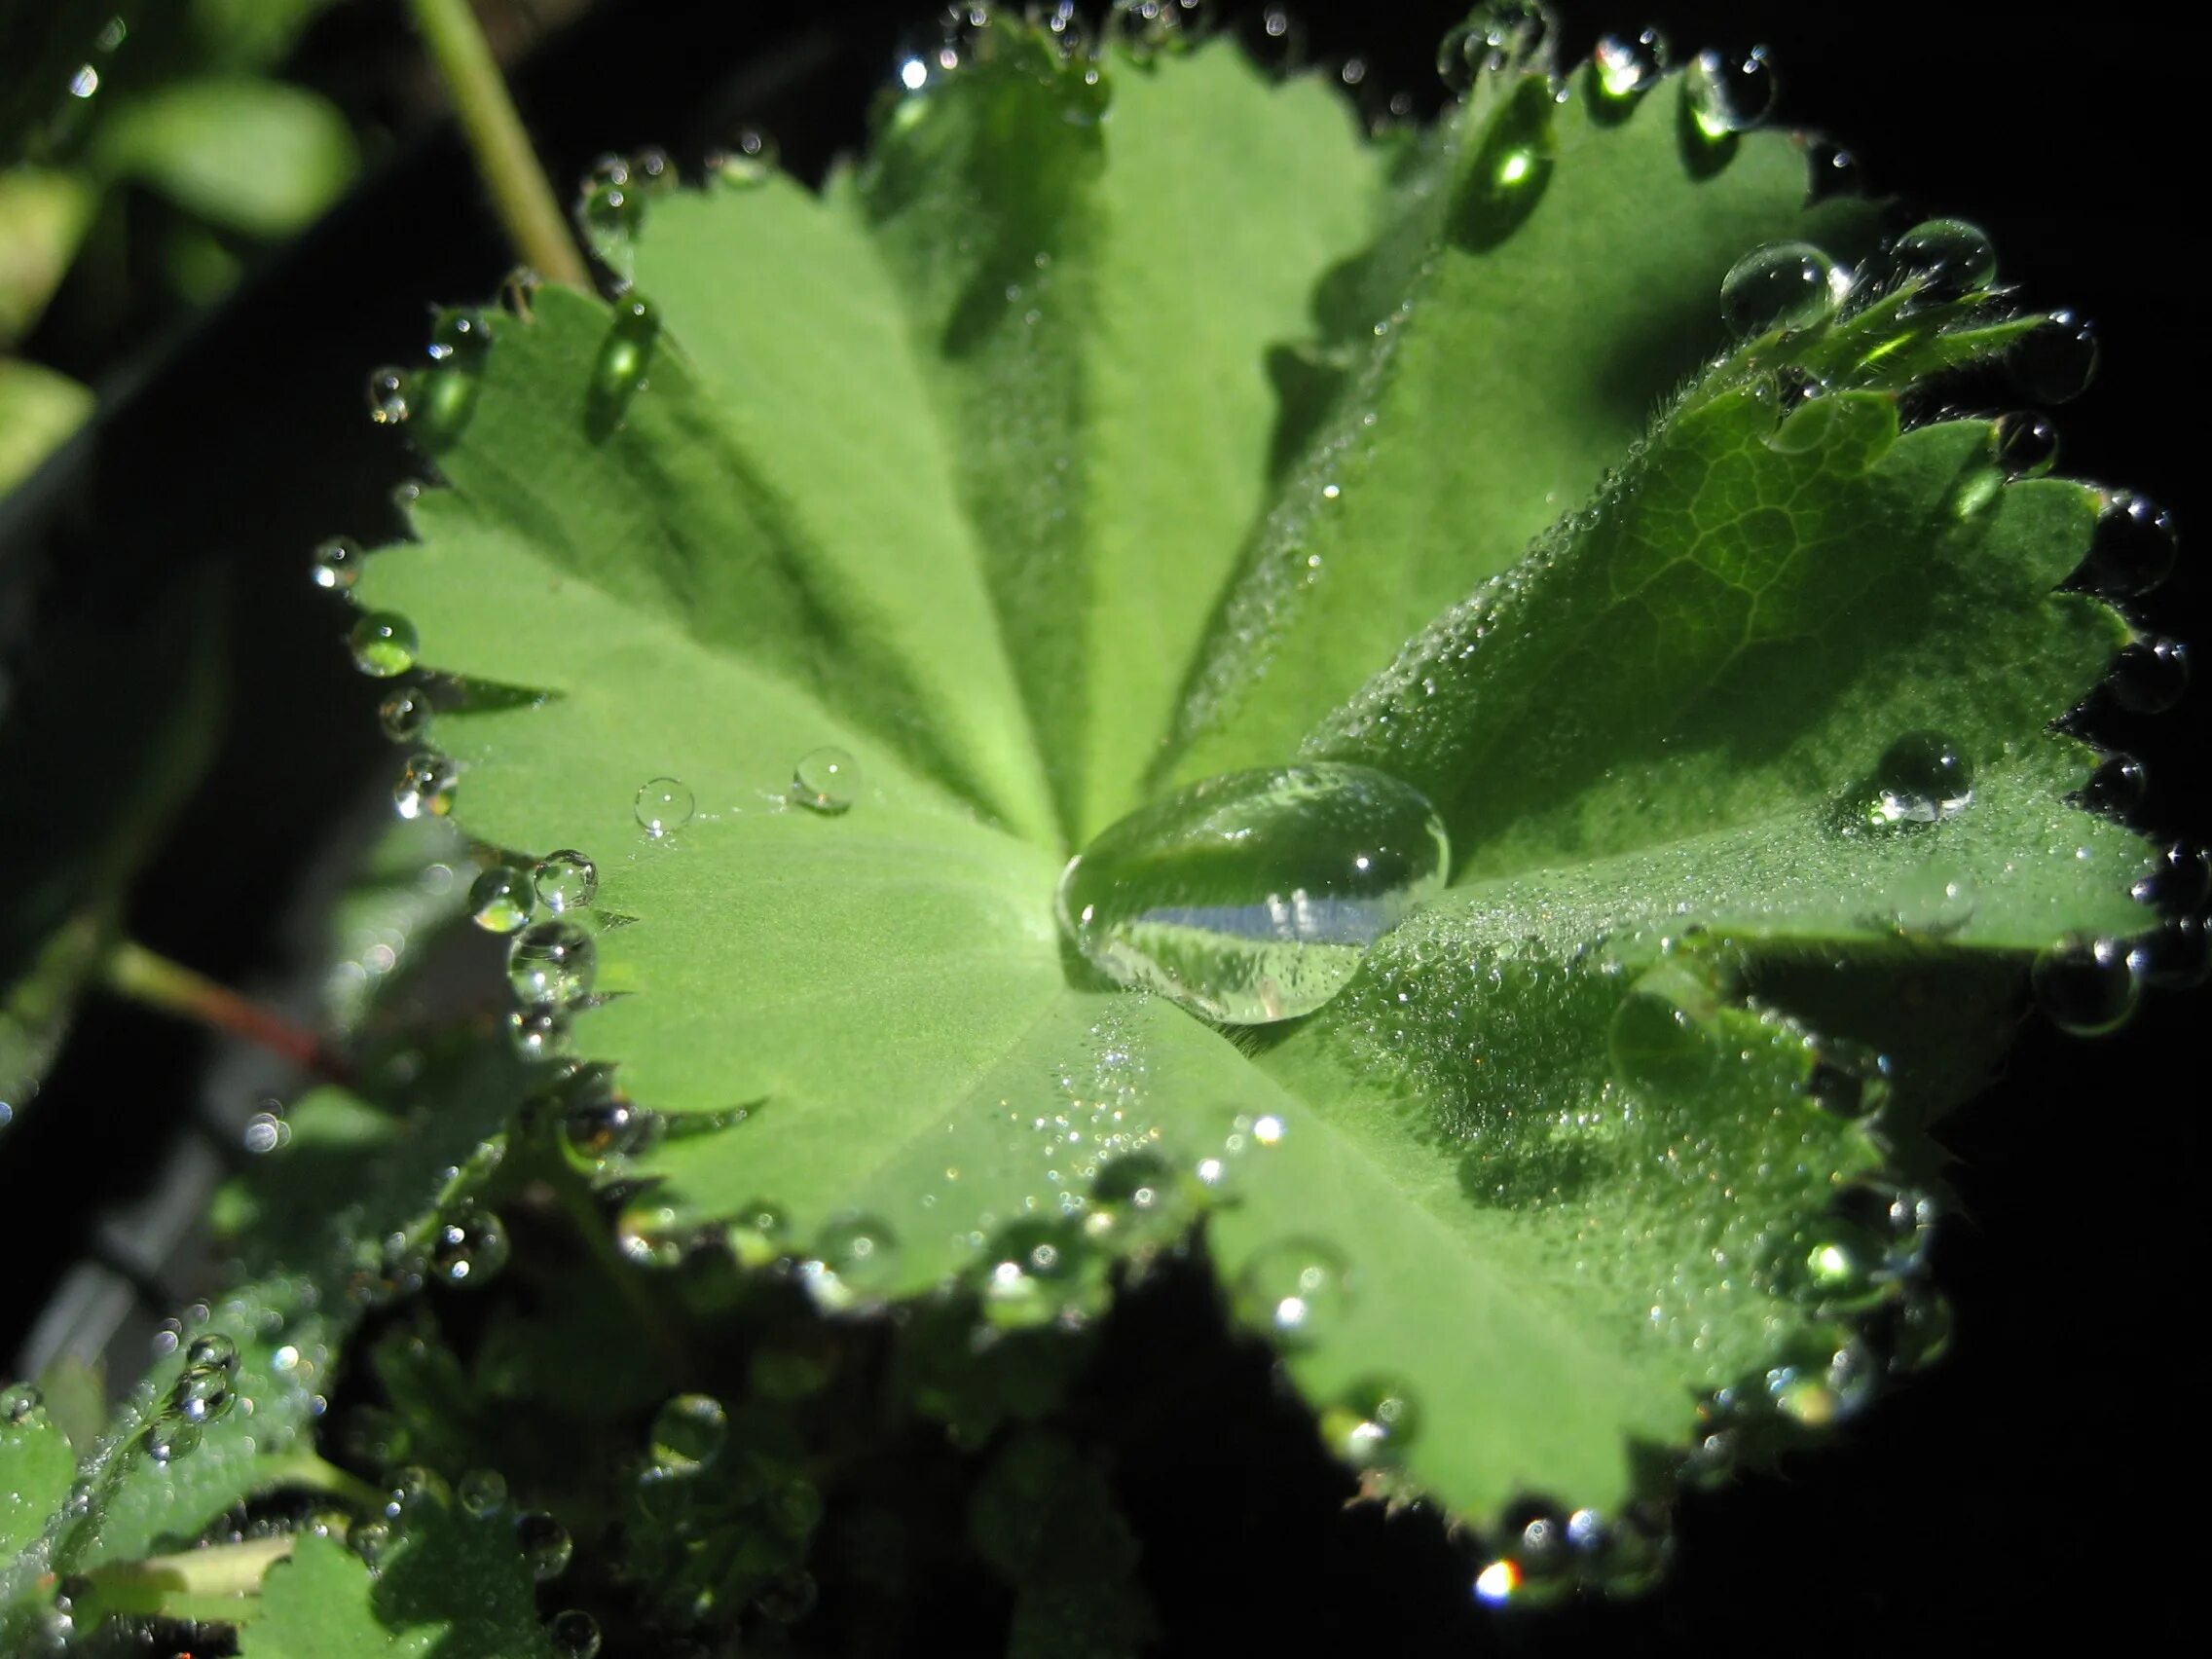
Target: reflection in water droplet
[618,373]
[2023,444]
[2178,878]
[383,645]
[425,787]
[1253,896]
[663,805]
[1782,286]
[1661,1038]
[2055,361]
[1728,93]
[689,1432]
[212,1350]
[565,880]
[1848,1079]
[1943,259]
[2084,985]
[336,565]
[551,961]
[2132,550]
[169,1438]
[825,780]
[2176,955]
[858,1255]
[1295,1288]
[2150,676]
[499,901]
[202,1393]
[1374,1422]
[1497,35]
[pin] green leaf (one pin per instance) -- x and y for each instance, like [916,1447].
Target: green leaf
[1552,1190]
[36,1467]
[39,412]
[448,1585]
[42,217]
[250,155]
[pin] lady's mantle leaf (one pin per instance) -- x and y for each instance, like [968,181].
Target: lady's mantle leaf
[949,469]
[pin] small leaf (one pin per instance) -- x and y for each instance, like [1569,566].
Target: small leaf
[36,1466]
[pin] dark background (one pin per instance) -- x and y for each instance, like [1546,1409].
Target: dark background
[2044,1480]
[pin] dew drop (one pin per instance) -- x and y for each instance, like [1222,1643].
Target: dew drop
[618,372]
[546,1546]
[468,1247]
[425,787]
[2086,985]
[1032,1262]
[1911,1332]
[481,1493]
[857,1256]
[1829,1389]
[388,391]
[1833,171]
[1252,896]
[1921,778]
[1783,286]
[539,1032]
[1660,1039]
[2117,788]
[2055,361]
[749,160]
[383,645]
[1295,1288]
[827,781]
[1848,1079]
[18,1400]
[1728,93]
[335,565]
[2179,878]
[2175,955]
[404,713]
[2023,444]
[169,1438]
[1626,66]
[564,880]
[1932,902]
[499,901]
[1497,35]
[663,805]
[1942,260]
[756,1235]
[445,394]
[1373,1421]
[2150,675]
[2133,549]
[609,1126]
[688,1433]
[576,1635]
[213,1351]
[1510,172]
[1843,1265]
[371,1542]
[551,961]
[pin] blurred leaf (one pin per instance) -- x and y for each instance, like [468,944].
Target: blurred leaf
[39,412]
[252,155]
[43,216]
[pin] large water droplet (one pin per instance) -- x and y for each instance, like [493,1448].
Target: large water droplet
[212,1350]
[383,645]
[1728,93]
[856,1255]
[546,1546]
[1661,1038]
[1625,66]
[749,159]
[425,787]
[405,713]
[2055,361]
[172,1437]
[445,394]
[500,900]
[202,1393]
[1509,173]
[663,806]
[576,1635]
[2086,985]
[482,1492]
[2178,878]
[2150,676]
[18,1400]
[1295,1288]
[1786,285]
[2132,550]
[2175,955]
[2116,787]
[551,961]
[1943,259]
[618,372]
[2023,444]
[565,880]
[1374,1421]
[689,1432]
[1252,896]
[1502,34]
[1921,777]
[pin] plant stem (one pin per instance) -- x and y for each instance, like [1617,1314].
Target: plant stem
[520,193]
[134,972]
[204,1583]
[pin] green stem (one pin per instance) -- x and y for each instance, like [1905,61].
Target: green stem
[207,1584]
[520,193]
[132,971]
[302,1468]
